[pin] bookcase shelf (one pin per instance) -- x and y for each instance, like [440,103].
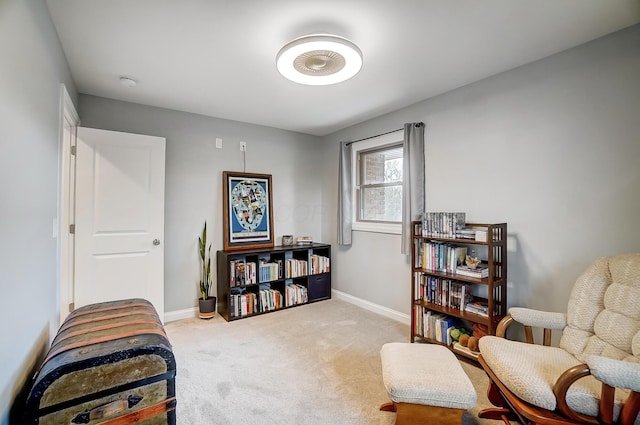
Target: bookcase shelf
[439,294]
[259,281]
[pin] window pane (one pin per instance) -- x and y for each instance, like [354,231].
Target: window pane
[381,166]
[382,203]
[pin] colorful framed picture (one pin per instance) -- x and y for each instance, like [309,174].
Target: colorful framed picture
[248,212]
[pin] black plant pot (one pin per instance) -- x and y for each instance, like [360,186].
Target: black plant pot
[207,307]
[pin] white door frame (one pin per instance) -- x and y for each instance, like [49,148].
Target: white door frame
[69,121]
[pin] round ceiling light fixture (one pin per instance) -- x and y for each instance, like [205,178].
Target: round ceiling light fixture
[319,59]
[128,82]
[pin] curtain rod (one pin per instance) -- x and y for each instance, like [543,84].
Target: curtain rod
[377,135]
[419,124]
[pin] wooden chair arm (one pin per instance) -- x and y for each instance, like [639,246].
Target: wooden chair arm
[501,329]
[508,320]
[629,410]
[561,387]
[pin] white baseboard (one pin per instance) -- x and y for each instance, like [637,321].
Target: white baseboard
[187,313]
[368,305]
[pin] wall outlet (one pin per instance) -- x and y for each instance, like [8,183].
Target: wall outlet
[218,143]
[243,146]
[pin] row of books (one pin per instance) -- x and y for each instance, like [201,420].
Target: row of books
[439,256]
[241,273]
[270,299]
[319,264]
[296,268]
[244,303]
[444,292]
[442,224]
[270,270]
[295,294]
[436,326]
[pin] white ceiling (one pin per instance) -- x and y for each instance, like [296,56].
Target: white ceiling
[217,57]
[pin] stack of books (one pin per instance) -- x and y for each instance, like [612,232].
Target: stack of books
[474,233]
[481,270]
[480,308]
[304,240]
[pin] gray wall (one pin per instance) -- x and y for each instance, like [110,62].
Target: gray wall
[194,179]
[33,66]
[552,148]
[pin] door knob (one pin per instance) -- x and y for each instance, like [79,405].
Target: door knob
[156,242]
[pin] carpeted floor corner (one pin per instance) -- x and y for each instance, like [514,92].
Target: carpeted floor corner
[317,364]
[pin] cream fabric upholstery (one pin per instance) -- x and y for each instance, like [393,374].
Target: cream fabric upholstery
[617,373]
[530,371]
[603,316]
[537,318]
[602,329]
[425,374]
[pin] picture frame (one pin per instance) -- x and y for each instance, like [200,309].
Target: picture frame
[248,210]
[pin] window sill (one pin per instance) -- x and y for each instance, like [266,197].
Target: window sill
[391,228]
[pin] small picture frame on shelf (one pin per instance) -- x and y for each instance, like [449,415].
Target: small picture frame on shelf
[248,211]
[287,240]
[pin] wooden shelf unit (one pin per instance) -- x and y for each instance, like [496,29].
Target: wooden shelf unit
[493,288]
[308,284]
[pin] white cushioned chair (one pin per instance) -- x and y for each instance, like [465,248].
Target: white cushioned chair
[593,377]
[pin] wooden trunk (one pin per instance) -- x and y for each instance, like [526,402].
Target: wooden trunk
[110,363]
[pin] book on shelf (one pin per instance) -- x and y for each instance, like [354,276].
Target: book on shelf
[481,270]
[319,264]
[237,273]
[442,291]
[304,240]
[480,308]
[269,270]
[475,233]
[269,299]
[442,224]
[443,331]
[466,233]
[241,302]
[296,268]
[295,294]
[440,256]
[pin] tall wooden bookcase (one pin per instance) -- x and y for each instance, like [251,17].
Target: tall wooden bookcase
[439,293]
[259,281]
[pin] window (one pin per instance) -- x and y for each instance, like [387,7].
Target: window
[378,176]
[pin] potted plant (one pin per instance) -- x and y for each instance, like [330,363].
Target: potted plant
[207,303]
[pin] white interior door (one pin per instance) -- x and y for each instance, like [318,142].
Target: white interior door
[119,222]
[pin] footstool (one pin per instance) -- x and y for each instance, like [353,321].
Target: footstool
[426,383]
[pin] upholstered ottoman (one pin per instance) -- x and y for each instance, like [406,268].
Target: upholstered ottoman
[426,383]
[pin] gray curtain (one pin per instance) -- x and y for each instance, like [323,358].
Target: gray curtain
[412,181]
[345,195]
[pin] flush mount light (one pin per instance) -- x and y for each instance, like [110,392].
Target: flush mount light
[319,59]
[129,82]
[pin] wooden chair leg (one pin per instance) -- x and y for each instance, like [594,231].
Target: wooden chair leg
[495,396]
[630,409]
[501,412]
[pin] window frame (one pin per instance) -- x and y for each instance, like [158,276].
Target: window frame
[395,138]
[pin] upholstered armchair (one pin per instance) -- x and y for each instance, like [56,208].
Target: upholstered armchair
[593,376]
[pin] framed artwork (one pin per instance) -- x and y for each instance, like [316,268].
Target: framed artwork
[248,212]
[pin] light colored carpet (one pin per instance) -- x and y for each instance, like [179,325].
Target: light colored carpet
[317,364]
